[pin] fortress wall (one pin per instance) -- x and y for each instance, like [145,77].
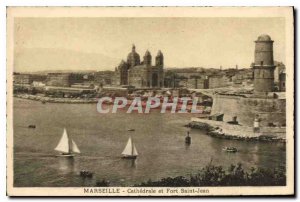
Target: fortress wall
[269,110]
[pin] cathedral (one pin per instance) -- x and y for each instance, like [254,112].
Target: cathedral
[141,74]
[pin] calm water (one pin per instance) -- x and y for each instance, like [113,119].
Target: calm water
[159,139]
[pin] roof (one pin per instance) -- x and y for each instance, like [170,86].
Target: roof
[122,64]
[147,53]
[133,54]
[159,53]
[264,37]
[282,71]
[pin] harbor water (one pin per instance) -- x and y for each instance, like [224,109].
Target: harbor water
[159,140]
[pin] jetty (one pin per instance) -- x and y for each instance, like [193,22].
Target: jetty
[44,99]
[234,131]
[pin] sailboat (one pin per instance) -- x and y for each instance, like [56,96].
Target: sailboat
[130,151]
[66,146]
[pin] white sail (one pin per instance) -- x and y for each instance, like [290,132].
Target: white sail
[63,145]
[128,149]
[135,153]
[74,147]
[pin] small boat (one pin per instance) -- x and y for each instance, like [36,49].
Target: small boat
[31,126]
[131,129]
[230,149]
[66,146]
[85,173]
[188,139]
[130,151]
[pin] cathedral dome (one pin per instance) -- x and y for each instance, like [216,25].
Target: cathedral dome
[133,57]
[264,37]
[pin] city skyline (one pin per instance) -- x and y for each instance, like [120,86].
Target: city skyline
[101,43]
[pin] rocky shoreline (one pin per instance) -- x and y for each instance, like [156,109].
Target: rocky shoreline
[215,132]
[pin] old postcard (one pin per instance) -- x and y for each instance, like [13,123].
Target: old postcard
[150,101]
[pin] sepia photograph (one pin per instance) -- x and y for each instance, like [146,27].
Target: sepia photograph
[150,101]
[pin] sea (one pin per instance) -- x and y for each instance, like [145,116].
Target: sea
[101,138]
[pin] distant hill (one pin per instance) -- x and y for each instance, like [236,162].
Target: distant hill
[59,71]
[61,60]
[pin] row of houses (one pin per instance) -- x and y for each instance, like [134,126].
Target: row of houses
[192,78]
[211,79]
[105,78]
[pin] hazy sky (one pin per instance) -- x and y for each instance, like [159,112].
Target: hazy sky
[101,43]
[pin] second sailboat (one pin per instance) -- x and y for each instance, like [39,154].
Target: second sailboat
[130,151]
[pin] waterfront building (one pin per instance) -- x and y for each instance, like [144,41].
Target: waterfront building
[182,82]
[197,83]
[103,78]
[278,69]
[63,79]
[242,76]
[68,91]
[141,74]
[282,77]
[218,81]
[27,79]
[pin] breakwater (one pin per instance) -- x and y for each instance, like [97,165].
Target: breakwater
[57,100]
[225,130]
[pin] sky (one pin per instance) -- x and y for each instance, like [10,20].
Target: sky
[101,43]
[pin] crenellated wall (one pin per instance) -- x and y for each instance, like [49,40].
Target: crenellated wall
[269,110]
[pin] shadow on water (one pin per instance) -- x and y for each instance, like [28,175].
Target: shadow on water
[129,163]
[187,146]
[66,165]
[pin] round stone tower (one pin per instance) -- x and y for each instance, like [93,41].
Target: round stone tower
[147,58]
[263,65]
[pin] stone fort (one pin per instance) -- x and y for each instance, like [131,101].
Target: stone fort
[268,105]
[140,74]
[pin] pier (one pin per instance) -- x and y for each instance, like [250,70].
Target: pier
[238,131]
